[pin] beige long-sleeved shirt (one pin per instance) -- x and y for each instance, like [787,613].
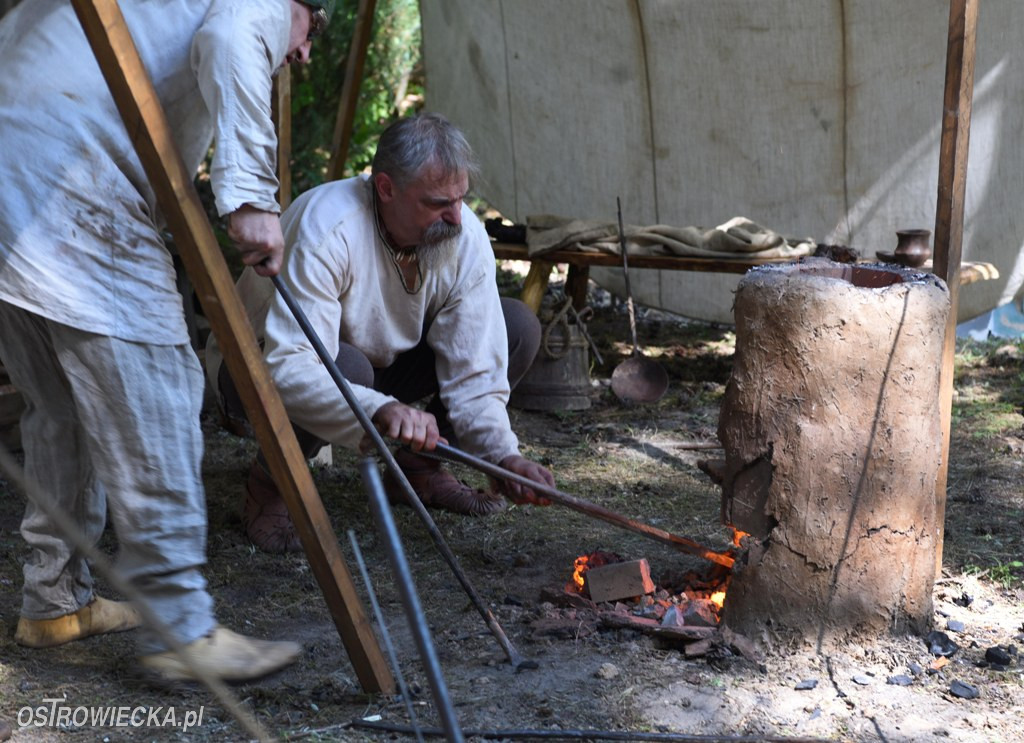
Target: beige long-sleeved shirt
[79,237]
[343,278]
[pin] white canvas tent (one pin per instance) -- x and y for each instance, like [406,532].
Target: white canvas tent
[814,119]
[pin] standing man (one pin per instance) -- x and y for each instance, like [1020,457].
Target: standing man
[397,277]
[92,329]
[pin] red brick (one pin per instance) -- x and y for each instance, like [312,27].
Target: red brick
[620,580]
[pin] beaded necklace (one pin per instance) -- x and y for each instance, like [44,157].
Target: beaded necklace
[401,259]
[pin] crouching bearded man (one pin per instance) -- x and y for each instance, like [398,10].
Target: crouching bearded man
[397,277]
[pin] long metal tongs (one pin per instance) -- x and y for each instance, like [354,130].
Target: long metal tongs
[446,451]
[514,658]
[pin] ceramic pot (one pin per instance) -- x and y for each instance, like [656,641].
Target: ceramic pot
[912,248]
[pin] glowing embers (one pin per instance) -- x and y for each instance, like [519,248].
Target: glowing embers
[583,563]
[689,599]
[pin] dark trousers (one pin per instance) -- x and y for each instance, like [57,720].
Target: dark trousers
[412,376]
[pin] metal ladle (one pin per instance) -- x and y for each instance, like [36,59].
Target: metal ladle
[637,379]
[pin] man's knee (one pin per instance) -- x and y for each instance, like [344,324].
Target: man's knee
[524,333]
[354,366]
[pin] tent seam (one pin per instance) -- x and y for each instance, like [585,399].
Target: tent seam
[511,118]
[650,109]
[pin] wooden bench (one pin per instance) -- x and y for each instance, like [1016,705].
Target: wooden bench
[580,261]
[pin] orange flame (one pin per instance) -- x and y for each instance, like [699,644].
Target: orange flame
[718,598]
[738,535]
[580,565]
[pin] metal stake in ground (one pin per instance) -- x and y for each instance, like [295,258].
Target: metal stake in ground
[410,600]
[396,667]
[514,658]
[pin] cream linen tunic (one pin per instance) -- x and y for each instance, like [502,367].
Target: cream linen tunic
[79,237]
[346,283]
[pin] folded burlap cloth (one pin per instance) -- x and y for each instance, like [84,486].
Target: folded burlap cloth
[737,238]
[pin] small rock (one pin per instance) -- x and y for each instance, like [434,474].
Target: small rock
[900,679]
[861,679]
[807,684]
[653,611]
[512,601]
[5,730]
[673,618]
[915,668]
[700,613]
[940,644]
[607,671]
[699,648]
[998,656]
[741,644]
[955,625]
[964,600]
[964,690]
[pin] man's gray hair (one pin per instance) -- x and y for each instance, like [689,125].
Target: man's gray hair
[412,144]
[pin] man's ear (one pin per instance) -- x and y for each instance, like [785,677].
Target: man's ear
[385,187]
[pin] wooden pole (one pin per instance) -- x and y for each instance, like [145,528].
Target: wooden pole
[350,88]
[281,110]
[140,108]
[949,213]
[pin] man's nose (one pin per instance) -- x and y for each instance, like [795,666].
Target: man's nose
[453,214]
[301,55]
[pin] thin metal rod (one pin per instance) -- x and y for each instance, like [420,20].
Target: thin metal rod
[695,445]
[625,276]
[411,498]
[591,509]
[626,735]
[385,635]
[410,601]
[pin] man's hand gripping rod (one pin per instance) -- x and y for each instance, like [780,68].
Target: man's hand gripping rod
[514,658]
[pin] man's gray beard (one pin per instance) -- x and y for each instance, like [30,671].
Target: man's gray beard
[437,246]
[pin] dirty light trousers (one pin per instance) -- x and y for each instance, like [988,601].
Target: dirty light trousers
[111,424]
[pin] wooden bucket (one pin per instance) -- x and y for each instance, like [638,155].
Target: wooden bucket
[559,378]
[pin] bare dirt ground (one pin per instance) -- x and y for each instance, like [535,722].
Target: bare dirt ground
[589,676]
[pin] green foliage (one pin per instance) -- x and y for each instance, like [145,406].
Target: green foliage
[1006,574]
[392,86]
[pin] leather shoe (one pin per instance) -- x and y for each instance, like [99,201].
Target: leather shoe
[225,655]
[98,617]
[265,516]
[438,488]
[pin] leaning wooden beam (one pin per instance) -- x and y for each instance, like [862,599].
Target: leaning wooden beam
[350,88]
[143,116]
[949,213]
